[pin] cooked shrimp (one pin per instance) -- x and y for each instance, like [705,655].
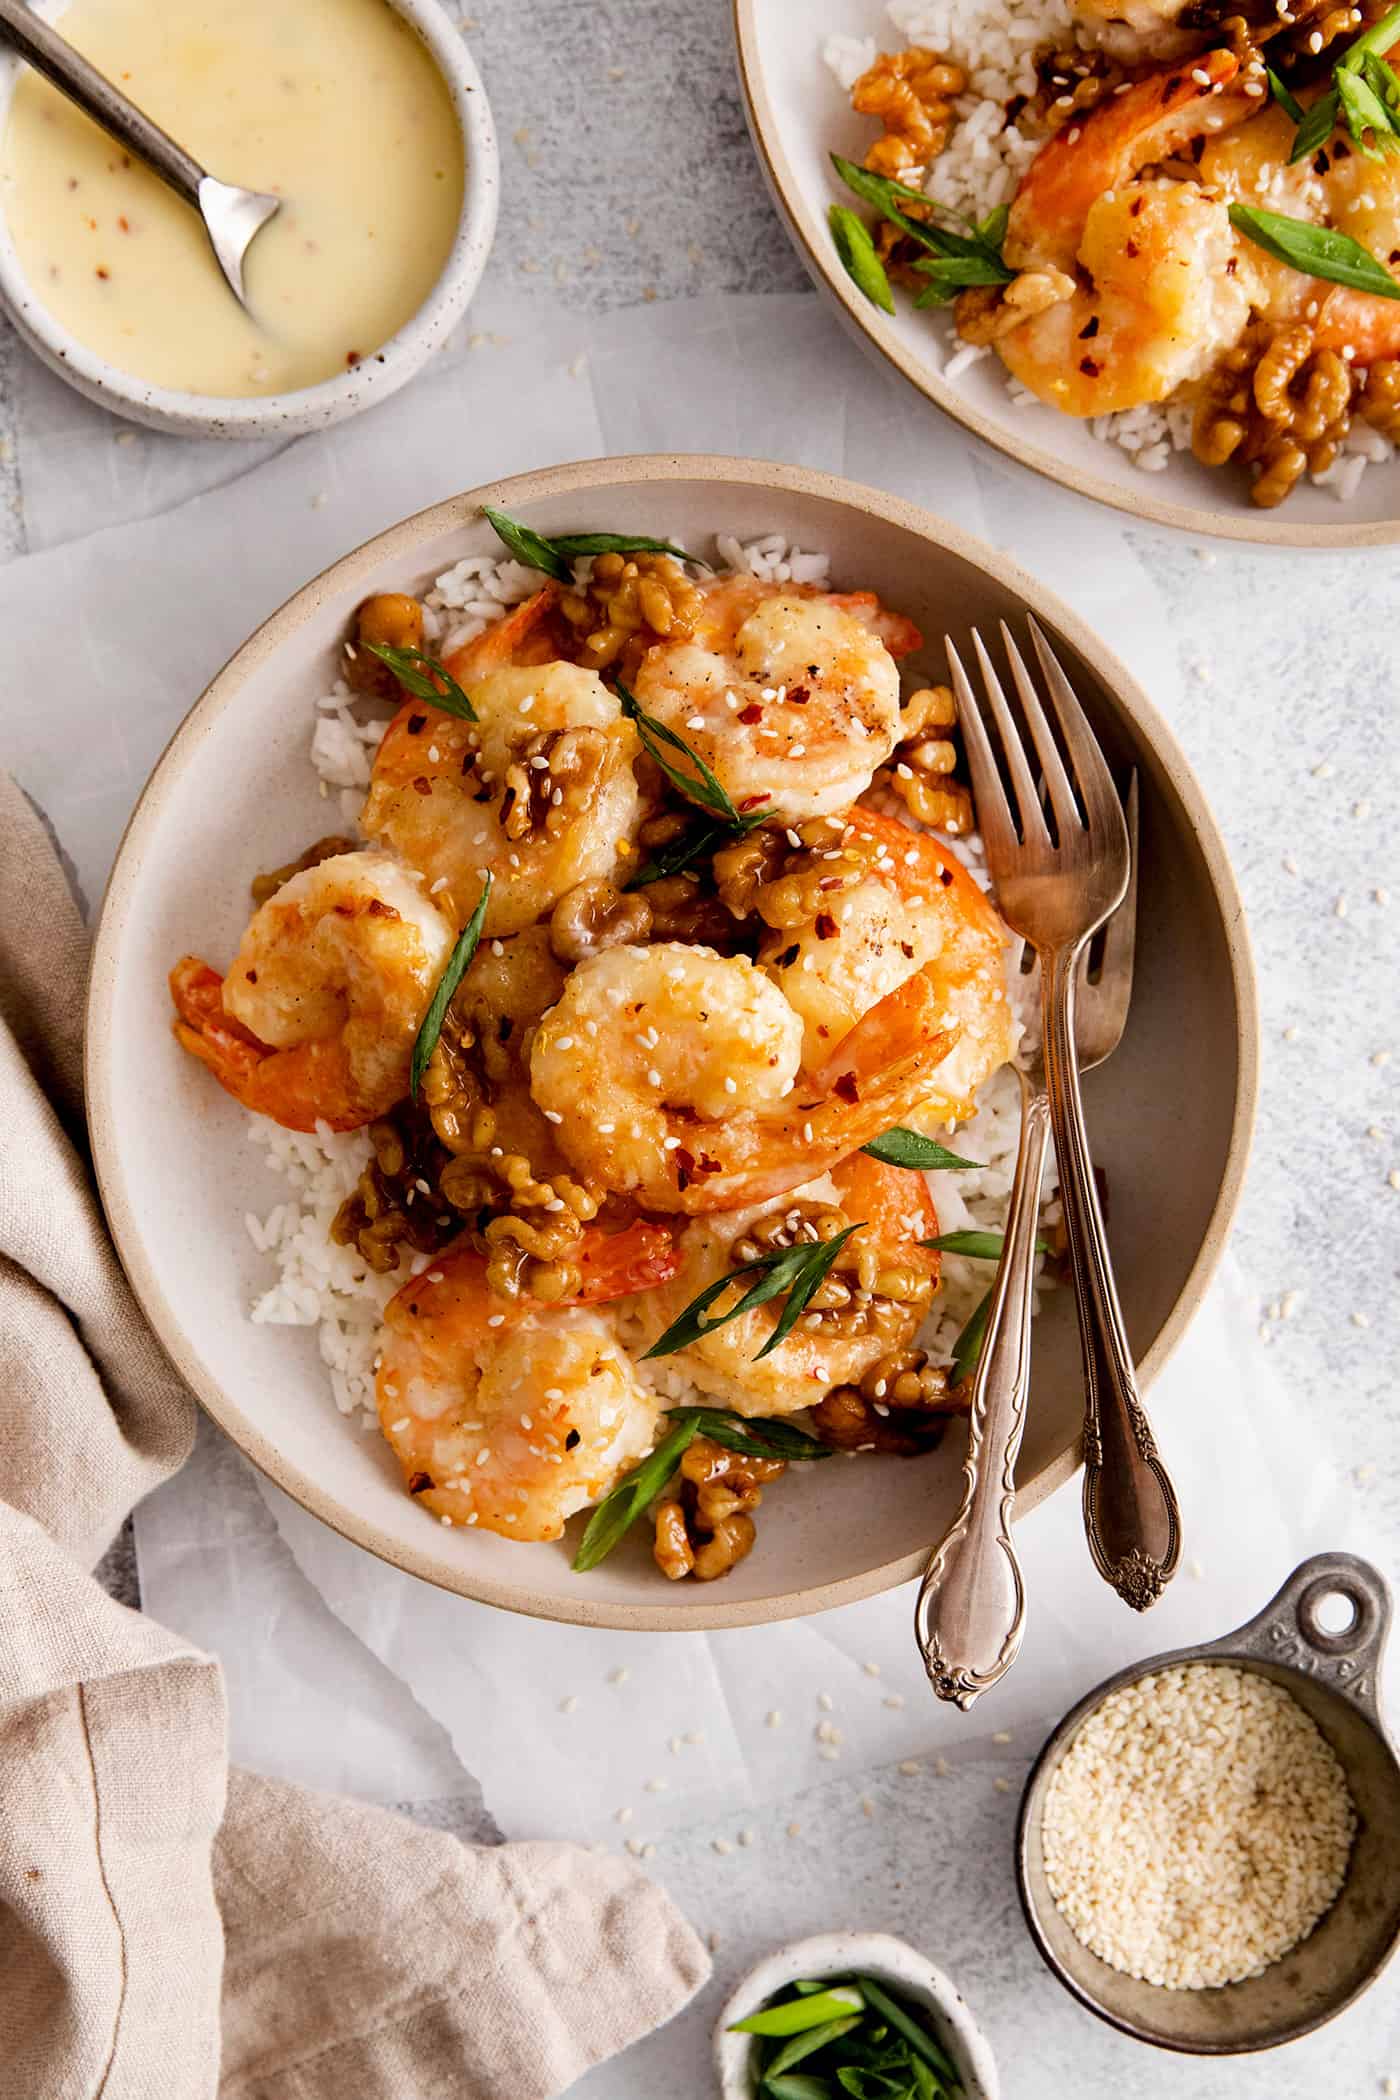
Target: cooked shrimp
[674,1076]
[874,1302]
[789,695]
[914,909]
[511,1415]
[316,1020]
[1137,29]
[1153,289]
[1336,187]
[539,790]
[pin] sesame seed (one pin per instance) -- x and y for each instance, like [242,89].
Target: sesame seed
[1003,1735]
[867,1806]
[567,1705]
[1172,1782]
[1003,1786]
[894,1701]
[794,1830]
[775,1719]
[911,1768]
[825,1702]
[871,1669]
[746,1837]
[656,1786]
[942,1769]
[619,1675]
[721,1845]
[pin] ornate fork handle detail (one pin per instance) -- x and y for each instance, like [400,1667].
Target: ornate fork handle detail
[971,1611]
[1131,1516]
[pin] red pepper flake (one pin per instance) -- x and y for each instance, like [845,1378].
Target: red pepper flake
[752,713]
[422,786]
[378,909]
[1090,329]
[798,697]
[826,926]
[1088,367]
[352,358]
[754,801]
[417,1482]
[846,1089]
[103,273]
[415,723]
[1135,208]
[251,975]
[945,876]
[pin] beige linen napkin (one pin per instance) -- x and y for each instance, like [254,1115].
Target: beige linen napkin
[170,1930]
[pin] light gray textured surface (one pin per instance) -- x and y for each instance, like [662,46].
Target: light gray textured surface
[628,175]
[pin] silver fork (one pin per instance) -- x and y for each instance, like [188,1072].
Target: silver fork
[971,1608]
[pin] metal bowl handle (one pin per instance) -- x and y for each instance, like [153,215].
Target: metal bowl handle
[1289,1630]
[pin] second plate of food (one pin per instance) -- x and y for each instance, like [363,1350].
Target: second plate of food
[509,965]
[1208,381]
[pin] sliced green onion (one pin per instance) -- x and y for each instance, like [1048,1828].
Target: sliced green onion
[859,257]
[426,1039]
[910,1148]
[437,686]
[797,2015]
[1317,251]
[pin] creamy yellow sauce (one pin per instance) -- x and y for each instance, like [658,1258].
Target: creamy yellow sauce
[333,105]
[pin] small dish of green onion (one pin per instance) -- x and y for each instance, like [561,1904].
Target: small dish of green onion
[851,2017]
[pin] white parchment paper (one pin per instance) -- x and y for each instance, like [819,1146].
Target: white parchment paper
[602,1735]
[155,559]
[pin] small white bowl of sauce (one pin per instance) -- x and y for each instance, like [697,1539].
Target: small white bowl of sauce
[368,116]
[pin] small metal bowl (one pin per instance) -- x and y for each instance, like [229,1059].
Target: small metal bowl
[1334,1678]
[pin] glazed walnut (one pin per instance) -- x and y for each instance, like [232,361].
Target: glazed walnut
[391,618]
[900,1407]
[704,1523]
[911,92]
[629,602]
[1277,402]
[597,915]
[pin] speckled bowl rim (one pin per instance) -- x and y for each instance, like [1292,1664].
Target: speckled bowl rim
[357,570]
[1266,529]
[378,374]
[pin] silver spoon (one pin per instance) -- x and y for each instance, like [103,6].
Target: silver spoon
[232,216]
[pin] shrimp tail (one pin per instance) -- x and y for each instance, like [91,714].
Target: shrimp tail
[877,1075]
[614,1265]
[1077,165]
[899,634]
[524,636]
[934,861]
[204,1029]
[294,1086]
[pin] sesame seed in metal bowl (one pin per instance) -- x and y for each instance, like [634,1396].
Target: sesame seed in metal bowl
[1209,1849]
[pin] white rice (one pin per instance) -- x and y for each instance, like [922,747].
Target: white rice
[320,1284]
[995,41]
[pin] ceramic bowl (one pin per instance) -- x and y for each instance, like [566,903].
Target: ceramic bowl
[1333,1671]
[234,793]
[798,115]
[879,1955]
[332,400]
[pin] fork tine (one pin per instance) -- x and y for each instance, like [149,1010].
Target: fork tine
[1033,829]
[1056,779]
[1120,934]
[1102,1006]
[993,812]
[1103,812]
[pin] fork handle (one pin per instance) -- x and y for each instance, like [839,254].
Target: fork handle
[971,1611]
[1131,1516]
